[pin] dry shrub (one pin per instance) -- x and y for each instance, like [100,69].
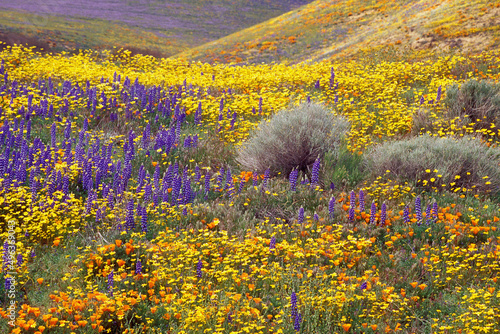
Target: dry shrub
[476,102]
[293,138]
[461,163]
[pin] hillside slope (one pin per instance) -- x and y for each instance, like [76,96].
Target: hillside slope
[324,29]
[165,26]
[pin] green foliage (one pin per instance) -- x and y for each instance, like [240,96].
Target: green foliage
[342,168]
[292,139]
[475,102]
[459,164]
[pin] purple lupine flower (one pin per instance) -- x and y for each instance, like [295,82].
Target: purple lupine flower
[315,172]
[199,267]
[233,120]
[293,302]
[7,283]
[229,177]
[148,192]
[383,214]
[373,211]
[361,199]
[422,100]
[406,214]
[297,322]
[138,267]
[435,210]
[301,215]
[20,260]
[317,84]
[98,215]
[266,178]
[242,184]
[438,97]
[418,209]
[293,179]
[272,243]
[428,213]
[230,188]
[308,99]
[220,177]
[53,135]
[144,220]
[331,208]
[260,105]
[316,217]
[110,201]
[167,179]
[28,128]
[110,283]
[221,105]
[255,180]
[67,131]
[146,135]
[363,286]
[351,214]
[332,77]
[129,220]
[176,188]
[332,186]
[336,100]
[352,199]
[89,203]
[197,115]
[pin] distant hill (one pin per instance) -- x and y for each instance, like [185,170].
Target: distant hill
[159,27]
[325,29]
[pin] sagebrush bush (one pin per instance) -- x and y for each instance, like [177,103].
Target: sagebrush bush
[293,138]
[460,163]
[475,102]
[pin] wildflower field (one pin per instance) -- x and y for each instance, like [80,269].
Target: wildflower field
[124,207]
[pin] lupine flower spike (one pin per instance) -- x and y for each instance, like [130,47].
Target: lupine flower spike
[293,179]
[418,209]
[373,211]
[383,214]
[301,215]
[361,199]
[331,208]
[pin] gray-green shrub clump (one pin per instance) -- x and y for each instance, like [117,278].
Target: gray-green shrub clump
[293,139]
[460,162]
[475,102]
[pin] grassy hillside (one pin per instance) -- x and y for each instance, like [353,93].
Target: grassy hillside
[157,26]
[122,193]
[326,29]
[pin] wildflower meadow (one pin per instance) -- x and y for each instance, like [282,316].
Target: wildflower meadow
[140,195]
